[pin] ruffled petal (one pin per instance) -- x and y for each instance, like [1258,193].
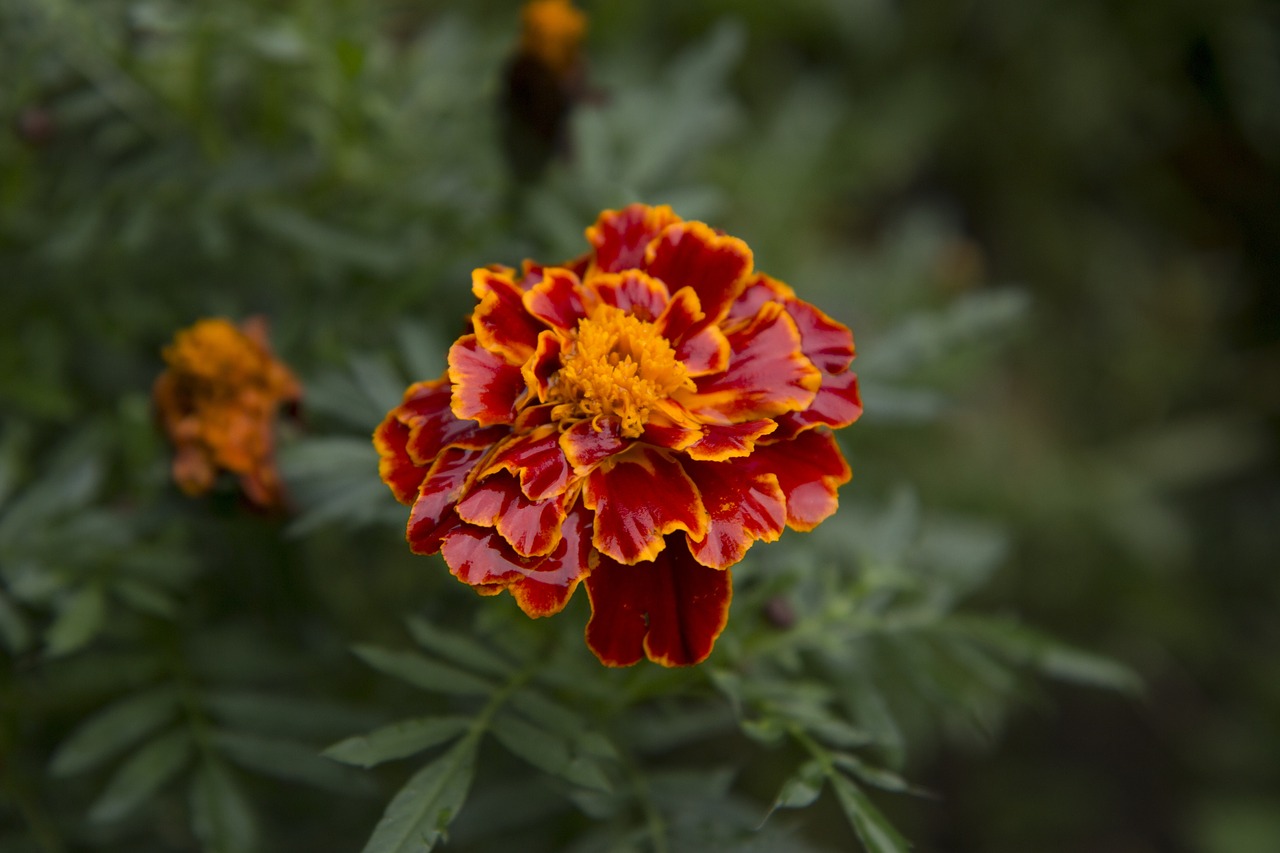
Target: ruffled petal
[671,610]
[638,499]
[621,236]
[633,291]
[556,299]
[547,588]
[837,404]
[714,265]
[727,441]
[824,341]
[767,373]
[433,516]
[500,321]
[743,506]
[394,465]
[541,586]
[537,460]
[699,344]
[486,388]
[538,370]
[809,467]
[427,412]
[760,289]
[532,528]
[588,443]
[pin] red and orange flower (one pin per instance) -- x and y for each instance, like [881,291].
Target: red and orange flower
[634,419]
[217,403]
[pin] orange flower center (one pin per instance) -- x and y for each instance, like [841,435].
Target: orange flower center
[619,366]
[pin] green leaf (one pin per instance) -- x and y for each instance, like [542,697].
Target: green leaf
[873,828]
[292,716]
[539,747]
[220,815]
[1050,656]
[139,778]
[397,740]
[458,648]
[146,598]
[79,620]
[288,759]
[112,729]
[417,817]
[879,777]
[800,790]
[423,672]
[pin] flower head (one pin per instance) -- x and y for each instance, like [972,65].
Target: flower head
[217,403]
[633,421]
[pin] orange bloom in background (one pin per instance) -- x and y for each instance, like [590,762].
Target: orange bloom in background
[634,419]
[217,403]
[542,83]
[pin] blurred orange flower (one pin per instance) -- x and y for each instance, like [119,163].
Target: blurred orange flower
[217,403]
[635,419]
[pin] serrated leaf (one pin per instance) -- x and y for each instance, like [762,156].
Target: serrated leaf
[800,790]
[1050,656]
[458,648]
[288,759]
[544,750]
[139,778]
[879,777]
[397,740]
[418,816]
[873,828]
[78,621]
[68,486]
[423,672]
[220,815]
[112,729]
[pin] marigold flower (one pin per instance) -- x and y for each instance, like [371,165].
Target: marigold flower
[217,404]
[633,420]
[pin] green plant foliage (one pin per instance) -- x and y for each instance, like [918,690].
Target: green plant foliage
[1039,224]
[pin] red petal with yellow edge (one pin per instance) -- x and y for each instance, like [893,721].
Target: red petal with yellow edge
[532,528]
[538,461]
[809,467]
[539,369]
[547,588]
[760,289]
[433,516]
[699,344]
[639,499]
[670,436]
[632,291]
[485,388]
[532,417]
[480,557]
[671,610]
[743,506]
[394,465]
[767,374]
[584,446]
[620,237]
[825,342]
[556,299]
[727,441]
[500,320]
[432,425]
[714,265]
[836,405]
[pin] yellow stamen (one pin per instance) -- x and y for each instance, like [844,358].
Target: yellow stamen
[619,366]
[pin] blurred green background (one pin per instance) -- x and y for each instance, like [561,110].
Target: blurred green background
[336,167]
